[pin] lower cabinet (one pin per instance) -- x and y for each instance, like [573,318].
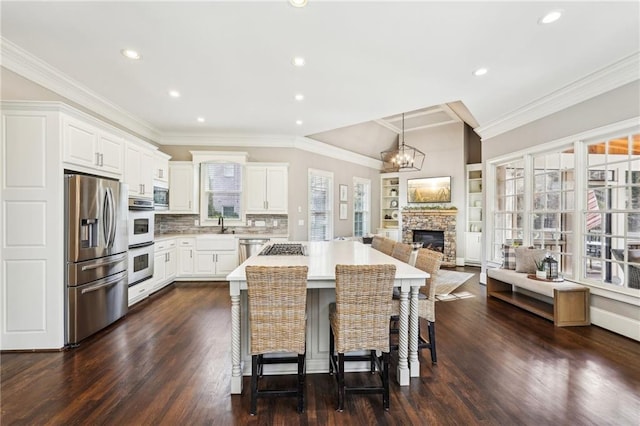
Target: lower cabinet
[140,291]
[391,233]
[165,263]
[473,249]
[207,257]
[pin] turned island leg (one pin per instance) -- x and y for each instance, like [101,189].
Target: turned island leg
[236,371]
[414,363]
[403,366]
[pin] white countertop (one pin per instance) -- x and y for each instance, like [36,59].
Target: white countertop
[323,256]
[161,237]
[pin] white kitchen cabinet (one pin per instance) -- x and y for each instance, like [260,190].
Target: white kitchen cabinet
[140,291]
[186,248]
[207,257]
[165,263]
[267,188]
[473,242]
[183,187]
[161,169]
[138,170]
[88,148]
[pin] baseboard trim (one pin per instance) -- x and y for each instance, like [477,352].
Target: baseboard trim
[619,324]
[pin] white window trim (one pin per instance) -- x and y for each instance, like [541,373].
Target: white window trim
[364,181]
[199,157]
[627,126]
[317,172]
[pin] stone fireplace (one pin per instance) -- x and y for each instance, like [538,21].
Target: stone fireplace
[432,220]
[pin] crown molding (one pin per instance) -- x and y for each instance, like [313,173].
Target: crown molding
[18,60]
[615,75]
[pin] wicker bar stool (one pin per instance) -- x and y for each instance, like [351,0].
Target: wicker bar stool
[376,242]
[429,261]
[277,319]
[402,252]
[359,321]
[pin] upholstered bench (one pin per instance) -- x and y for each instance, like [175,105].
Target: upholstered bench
[565,303]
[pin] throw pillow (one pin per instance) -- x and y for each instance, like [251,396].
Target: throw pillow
[508,257]
[526,257]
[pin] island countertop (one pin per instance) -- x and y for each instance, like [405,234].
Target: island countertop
[322,258]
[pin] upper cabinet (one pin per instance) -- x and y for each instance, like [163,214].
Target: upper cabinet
[138,170]
[90,149]
[183,187]
[161,169]
[267,188]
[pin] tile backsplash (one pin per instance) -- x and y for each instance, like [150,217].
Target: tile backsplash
[185,224]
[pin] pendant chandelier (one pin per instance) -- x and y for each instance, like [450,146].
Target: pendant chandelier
[404,159]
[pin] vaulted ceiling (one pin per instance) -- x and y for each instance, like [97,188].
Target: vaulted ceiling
[366,61]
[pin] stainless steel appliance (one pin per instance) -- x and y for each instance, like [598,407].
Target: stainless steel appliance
[284,249]
[141,221]
[96,254]
[160,198]
[250,246]
[141,224]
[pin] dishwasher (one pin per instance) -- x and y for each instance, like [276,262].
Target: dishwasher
[250,246]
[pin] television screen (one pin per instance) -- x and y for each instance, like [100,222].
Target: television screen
[429,190]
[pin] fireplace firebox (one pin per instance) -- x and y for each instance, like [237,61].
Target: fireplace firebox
[432,240]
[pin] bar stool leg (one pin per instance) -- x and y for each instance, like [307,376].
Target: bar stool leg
[301,377]
[331,350]
[385,380]
[340,382]
[254,385]
[372,360]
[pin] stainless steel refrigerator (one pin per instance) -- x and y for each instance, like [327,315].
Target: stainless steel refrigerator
[96,245]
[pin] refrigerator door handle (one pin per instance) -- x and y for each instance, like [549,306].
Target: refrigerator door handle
[106,219]
[114,224]
[109,281]
[103,263]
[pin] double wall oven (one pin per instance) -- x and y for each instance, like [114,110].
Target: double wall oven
[141,224]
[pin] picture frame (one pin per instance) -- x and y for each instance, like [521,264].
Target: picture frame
[344,192]
[343,211]
[429,190]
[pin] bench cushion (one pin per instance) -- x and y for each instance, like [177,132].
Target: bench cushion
[520,280]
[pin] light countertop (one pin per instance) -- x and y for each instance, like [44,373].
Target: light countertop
[323,256]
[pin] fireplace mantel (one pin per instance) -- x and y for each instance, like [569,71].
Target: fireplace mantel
[433,220]
[430,212]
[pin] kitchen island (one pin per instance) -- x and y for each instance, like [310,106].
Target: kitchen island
[321,258]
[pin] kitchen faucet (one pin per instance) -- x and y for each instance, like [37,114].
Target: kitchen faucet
[221,223]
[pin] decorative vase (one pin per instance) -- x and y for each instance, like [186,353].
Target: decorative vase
[541,275]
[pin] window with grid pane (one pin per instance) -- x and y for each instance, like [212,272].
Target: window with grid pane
[320,203]
[611,232]
[222,186]
[509,206]
[361,206]
[552,206]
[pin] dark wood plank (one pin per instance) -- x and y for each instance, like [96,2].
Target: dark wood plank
[168,362]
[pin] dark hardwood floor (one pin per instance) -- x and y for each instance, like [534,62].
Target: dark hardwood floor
[168,362]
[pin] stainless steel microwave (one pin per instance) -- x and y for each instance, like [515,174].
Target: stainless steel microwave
[160,198]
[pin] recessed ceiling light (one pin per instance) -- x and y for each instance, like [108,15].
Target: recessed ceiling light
[299,97]
[550,17]
[298,61]
[174,93]
[299,122]
[131,54]
[480,71]
[200,119]
[298,3]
